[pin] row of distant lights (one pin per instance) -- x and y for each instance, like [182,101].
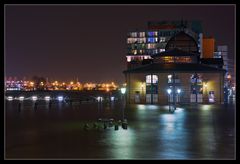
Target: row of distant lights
[48,98]
[34,98]
[99,98]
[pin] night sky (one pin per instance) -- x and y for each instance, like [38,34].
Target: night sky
[63,42]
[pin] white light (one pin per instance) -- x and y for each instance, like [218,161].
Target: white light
[47,98]
[169,91]
[60,98]
[178,90]
[99,98]
[112,98]
[128,58]
[123,90]
[21,98]
[9,98]
[34,98]
[169,76]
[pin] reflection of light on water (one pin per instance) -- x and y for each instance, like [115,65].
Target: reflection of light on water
[147,107]
[153,107]
[206,107]
[141,107]
[179,110]
[122,143]
[169,120]
[174,138]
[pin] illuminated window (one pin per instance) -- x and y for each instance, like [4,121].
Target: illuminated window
[141,40]
[135,52]
[148,79]
[133,34]
[162,39]
[183,59]
[150,46]
[196,84]
[151,87]
[168,59]
[155,51]
[132,40]
[154,79]
[141,34]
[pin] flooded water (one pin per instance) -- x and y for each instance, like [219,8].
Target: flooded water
[192,132]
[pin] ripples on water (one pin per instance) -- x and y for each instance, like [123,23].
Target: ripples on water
[192,132]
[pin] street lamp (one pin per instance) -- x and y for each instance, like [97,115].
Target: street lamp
[123,91]
[169,91]
[178,91]
[124,122]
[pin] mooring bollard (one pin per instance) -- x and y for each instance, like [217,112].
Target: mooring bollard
[95,125]
[86,126]
[50,104]
[35,106]
[116,127]
[124,124]
[19,107]
[105,125]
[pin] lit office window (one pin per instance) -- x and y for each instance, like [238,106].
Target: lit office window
[141,34]
[152,33]
[161,50]
[150,46]
[162,39]
[133,34]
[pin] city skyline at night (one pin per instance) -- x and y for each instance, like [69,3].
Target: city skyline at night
[89,41]
[125,81]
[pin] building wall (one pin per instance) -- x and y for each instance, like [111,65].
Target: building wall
[208,47]
[136,82]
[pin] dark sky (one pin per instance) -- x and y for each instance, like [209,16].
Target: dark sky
[89,42]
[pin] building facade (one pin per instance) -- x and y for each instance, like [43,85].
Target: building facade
[174,75]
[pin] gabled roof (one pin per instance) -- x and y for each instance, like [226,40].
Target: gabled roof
[173,67]
[174,52]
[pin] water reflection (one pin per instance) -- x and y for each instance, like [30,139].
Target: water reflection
[122,143]
[204,131]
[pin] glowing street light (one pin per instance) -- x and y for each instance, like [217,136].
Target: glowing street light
[169,91]
[112,98]
[34,98]
[9,98]
[178,91]
[123,90]
[99,98]
[60,98]
[47,98]
[205,85]
[21,98]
